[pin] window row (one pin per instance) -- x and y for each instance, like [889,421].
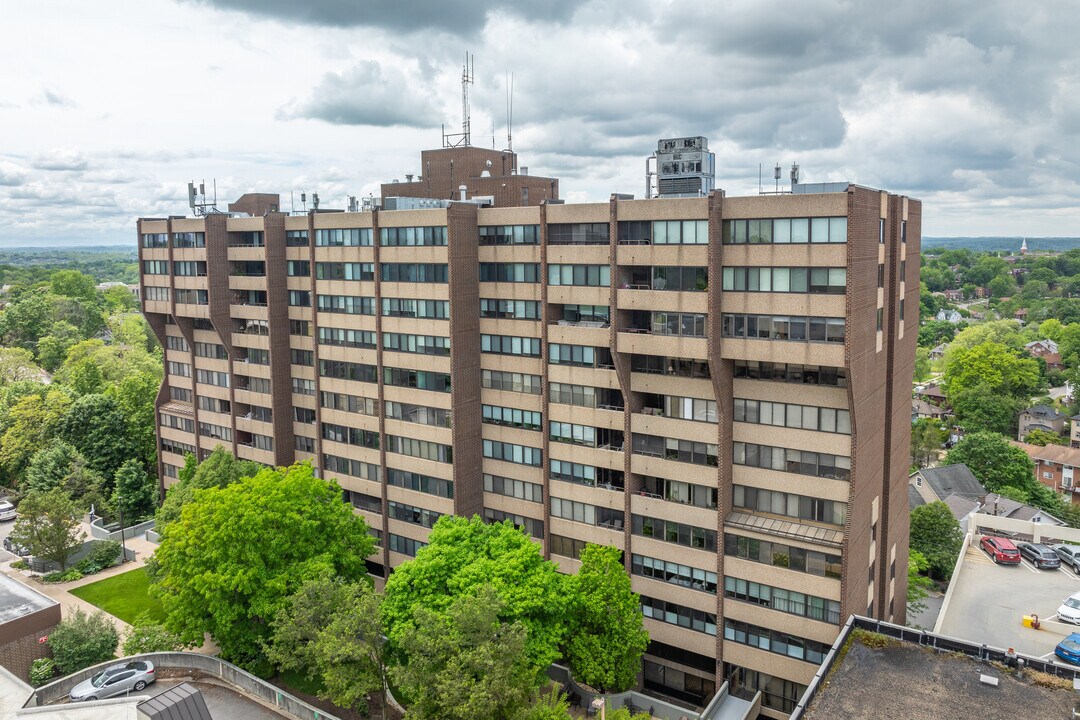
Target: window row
[419,344]
[414,272]
[782,327]
[347,403]
[674,532]
[420,483]
[672,572]
[600,314]
[512,417]
[688,451]
[178,368]
[567,471]
[803,462]
[419,379]
[408,307]
[412,514]
[791,373]
[585,513]
[420,414]
[190,268]
[342,370]
[179,423]
[412,236]
[790,505]
[510,272]
[510,381]
[577,234]
[192,297]
[509,234]
[585,396]
[508,345]
[511,487]
[581,275]
[775,642]
[818,280]
[785,230]
[778,554]
[532,526]
[218,432]
[424,449]
[159,294]
[350,436]
[343,237]
[204,349]
[679,278]
[509,452]
[783,600]
[579,355]
[342,337]
[664,232]
[673,614]
[211,377]
[510,309]
[405,545]
[586,435]
[344,271]
[681,492]
[348,304]
[805,417]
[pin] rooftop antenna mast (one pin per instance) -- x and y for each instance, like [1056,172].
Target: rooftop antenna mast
[464,138]
[510,113]
[198,202]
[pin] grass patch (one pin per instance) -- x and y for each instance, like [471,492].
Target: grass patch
[126,596]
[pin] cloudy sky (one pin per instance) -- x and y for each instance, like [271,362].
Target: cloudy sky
[107,109]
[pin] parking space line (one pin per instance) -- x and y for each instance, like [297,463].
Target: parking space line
[1069,572]
[1047,656]
[1026,567]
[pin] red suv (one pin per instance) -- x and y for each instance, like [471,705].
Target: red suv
[1000,550]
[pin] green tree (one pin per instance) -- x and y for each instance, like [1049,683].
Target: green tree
[49,526]
[1044,438]
[59,465]
[218,470]
[919,584]
[466,662]
[463,554]
[228,564]
[926,439]
[1002,286]
[607,636]
[934,332]
[1000,332]
[97,429]
[32,421]
[119,299]
[82,640]
[982,408]
[135,492]
[332,631]
[135,395]
[623,713]
[922,364]
[53,348]
[73,284]
[1051,329]
[552,705]
[25,320]
[1000,368]
[17,364]
[937,535]
[994,461]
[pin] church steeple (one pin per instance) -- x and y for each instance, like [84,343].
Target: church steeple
[1024,247]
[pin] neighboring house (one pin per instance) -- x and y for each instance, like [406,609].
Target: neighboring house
[957,487]
[932,394]
[981,292]
[952,316]
[1020,314]
[923,409]
[1074,431]
[954,296]
[1041,417]
[1055,467]
[1041,348]
[975,315]
[938,352]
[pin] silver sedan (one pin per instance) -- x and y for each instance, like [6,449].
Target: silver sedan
[115,680]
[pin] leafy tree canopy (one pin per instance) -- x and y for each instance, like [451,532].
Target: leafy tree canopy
[462,555]
[236,553]
[937,535]
[219,470]
[95,426]
[994,461]
[48,525]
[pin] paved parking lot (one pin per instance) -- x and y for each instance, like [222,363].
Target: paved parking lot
[989,601]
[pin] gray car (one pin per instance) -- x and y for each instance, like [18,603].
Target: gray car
[1069,554]
[115,680]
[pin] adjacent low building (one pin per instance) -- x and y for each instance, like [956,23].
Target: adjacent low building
[26,619]
[1040,417]
[1056,467]
[718,386]
[961,491]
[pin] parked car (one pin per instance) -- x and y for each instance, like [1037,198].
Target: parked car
[115,680]
[1069,649]
[1069,554]
[1070,609]
[7,511]
[19,550]
[1001,550]
[1039,555]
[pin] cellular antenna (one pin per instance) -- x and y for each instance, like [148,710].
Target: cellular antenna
[464,138]
[510,112]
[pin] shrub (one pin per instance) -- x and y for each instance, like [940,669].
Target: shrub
[20,565]
[62,576]
[147,636]
[105,553]
[41,671]
[82,640]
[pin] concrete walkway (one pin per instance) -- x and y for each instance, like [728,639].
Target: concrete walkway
[60,592]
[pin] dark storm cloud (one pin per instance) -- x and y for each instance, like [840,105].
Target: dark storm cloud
[458,17]
[367,94]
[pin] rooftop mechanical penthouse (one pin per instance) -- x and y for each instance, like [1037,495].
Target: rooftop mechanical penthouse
[719,386]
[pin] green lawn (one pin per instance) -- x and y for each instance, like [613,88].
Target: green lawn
[126,596]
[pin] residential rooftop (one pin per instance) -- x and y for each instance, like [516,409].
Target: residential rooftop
[18,600]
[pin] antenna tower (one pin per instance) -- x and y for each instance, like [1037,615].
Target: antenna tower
[199,203]
[464,138]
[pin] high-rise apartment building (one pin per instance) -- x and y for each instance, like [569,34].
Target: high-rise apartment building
[719,386]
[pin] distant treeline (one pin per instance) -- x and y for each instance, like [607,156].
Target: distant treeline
[1011,244]
[26,266]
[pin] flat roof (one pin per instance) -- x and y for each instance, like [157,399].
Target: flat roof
[17,600]
[904,681]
